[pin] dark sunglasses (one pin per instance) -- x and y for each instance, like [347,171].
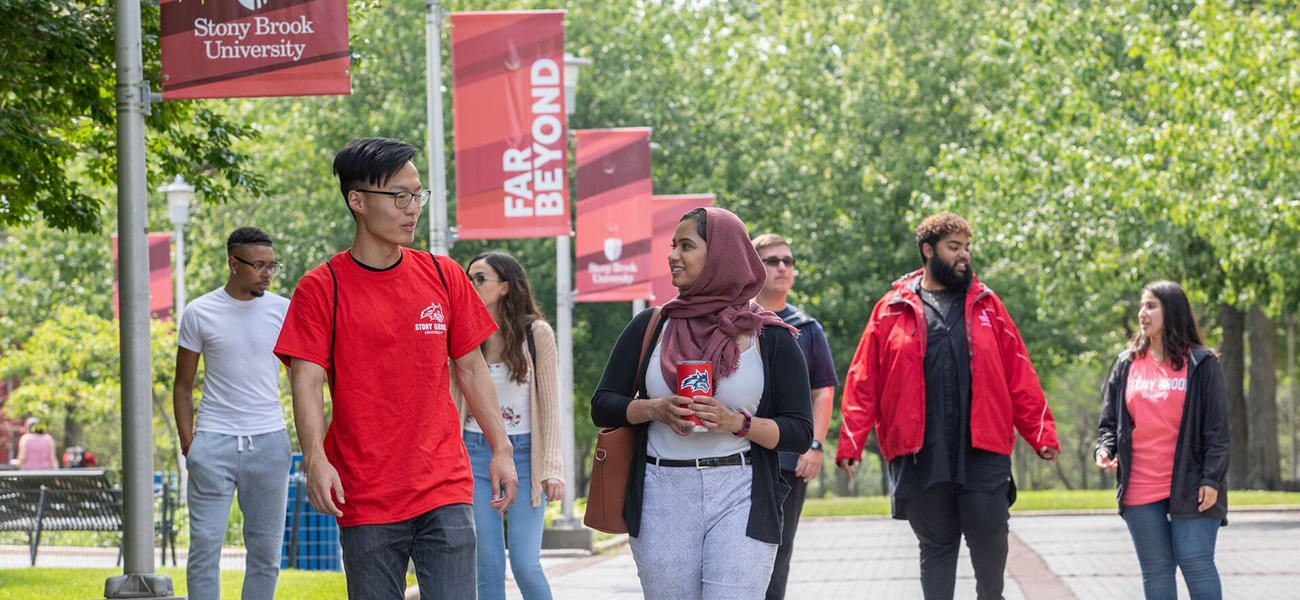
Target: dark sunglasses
[774,261]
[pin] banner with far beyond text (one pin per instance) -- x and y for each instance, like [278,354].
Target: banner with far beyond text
[510,126]
[613,246]
[250,48]
[666,212]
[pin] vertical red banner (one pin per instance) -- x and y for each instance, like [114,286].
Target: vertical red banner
[511,148]
[160,277]
[614,188]
[666,212]
[243,48]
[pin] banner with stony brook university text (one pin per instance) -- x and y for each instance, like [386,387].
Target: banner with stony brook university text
[613,245]
[248,48]
[666,212]
[511,147]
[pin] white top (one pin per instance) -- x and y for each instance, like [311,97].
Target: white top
[514,399]
[740,391]
[241,375]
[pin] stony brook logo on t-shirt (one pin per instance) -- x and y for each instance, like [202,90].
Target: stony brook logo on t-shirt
[437,320]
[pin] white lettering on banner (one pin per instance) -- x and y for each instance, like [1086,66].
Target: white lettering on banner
[621,273]
[531,190]
[228,49]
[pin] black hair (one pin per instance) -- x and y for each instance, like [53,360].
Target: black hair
[247,236]
[1181,332]
[701,218]
[370,161]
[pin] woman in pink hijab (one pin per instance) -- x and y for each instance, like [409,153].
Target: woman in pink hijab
[703,504]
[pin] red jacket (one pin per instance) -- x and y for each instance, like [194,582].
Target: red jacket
[885,387]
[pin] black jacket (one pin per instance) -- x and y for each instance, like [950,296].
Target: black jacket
[1201,457]
[786,400]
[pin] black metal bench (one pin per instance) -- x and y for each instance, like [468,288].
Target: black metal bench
[62,500]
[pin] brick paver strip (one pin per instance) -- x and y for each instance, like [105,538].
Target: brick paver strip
[1036,580]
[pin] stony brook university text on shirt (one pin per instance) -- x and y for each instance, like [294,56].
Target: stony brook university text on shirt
[226,41]
[535,184]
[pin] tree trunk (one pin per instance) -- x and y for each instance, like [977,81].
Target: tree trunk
[71,432]
[1294,396]
[1233,358]
[1264,458]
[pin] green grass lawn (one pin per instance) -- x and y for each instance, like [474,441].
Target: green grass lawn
[82,584]
[1041,500]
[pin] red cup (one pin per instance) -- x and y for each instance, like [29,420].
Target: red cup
[694,378]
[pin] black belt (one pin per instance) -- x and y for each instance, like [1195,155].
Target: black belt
[735,460]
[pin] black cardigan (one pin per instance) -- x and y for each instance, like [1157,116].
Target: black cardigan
[1201,457]
[786,400]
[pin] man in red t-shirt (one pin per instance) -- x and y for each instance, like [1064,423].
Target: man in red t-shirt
[379,322]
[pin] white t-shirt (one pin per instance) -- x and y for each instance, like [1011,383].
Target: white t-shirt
[241,375]
[740,391]
[514,399]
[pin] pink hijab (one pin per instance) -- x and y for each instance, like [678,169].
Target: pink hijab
[706,319]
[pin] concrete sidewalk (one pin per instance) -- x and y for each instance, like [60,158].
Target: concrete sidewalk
[1052,558]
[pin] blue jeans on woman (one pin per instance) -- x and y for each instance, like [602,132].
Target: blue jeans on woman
[525,531]
[1164,544]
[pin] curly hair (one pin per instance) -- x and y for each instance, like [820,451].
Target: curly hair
[247,236]
[936,227]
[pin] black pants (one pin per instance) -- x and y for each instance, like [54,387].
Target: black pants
[441,542]
[940,516]
[791,508]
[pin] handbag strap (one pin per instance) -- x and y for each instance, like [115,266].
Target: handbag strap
[650,330]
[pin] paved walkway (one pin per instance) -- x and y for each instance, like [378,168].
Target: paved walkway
[1052,558]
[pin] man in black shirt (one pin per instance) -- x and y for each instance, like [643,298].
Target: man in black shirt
[796,469]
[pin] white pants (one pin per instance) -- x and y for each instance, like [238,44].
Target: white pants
[693,544]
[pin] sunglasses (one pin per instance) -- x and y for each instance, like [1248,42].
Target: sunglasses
[774,261]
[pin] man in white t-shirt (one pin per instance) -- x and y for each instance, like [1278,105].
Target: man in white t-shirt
[239,442]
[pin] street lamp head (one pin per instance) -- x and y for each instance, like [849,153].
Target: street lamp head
[179,195]
[572,65]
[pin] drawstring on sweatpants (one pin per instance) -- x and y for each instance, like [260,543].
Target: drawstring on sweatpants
[241,442]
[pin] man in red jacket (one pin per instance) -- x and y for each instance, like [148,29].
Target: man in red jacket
[943,376]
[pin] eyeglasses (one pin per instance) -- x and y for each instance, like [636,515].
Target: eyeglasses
[403,199]
[479,279]
[773,261]
[271,267]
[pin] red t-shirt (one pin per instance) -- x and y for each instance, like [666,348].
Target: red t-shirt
[395,435]
[1154,397]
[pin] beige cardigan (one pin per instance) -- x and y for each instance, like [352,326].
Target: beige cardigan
[546,458]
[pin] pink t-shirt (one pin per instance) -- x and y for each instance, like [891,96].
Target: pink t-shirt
[1154,398]
[40,446]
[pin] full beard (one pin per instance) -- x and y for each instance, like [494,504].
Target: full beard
[947,276]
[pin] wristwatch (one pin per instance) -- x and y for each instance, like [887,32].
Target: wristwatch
[816,445]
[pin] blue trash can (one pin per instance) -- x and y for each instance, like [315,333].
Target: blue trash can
[317,547]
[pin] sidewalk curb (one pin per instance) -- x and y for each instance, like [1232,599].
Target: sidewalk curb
[1080,512]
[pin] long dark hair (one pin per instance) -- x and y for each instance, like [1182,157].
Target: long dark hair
[517,311]
[1181,332]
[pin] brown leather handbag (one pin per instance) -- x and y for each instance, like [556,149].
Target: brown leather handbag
[615,449]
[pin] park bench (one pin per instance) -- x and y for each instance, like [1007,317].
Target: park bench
[62,500]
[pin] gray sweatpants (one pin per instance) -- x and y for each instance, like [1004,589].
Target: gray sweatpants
[258,466]
[693,544]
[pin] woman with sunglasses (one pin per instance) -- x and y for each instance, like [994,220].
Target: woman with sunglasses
[522,359]
[1164,427]
[703,508]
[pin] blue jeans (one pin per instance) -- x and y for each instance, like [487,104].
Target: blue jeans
[1164,544]
[525,531]
[439,542]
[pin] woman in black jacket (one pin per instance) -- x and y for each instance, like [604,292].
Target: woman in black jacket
[704,507]
[1164,427]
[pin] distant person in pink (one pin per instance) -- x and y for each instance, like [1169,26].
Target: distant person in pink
[36,448]
[1164,428]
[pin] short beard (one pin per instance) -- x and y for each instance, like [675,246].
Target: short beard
[947,276]
[256,293]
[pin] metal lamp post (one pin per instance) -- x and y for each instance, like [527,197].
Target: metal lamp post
[179,195]
[564,328]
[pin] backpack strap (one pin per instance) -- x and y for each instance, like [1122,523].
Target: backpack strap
[447,291]
[334,320]
[650,330]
